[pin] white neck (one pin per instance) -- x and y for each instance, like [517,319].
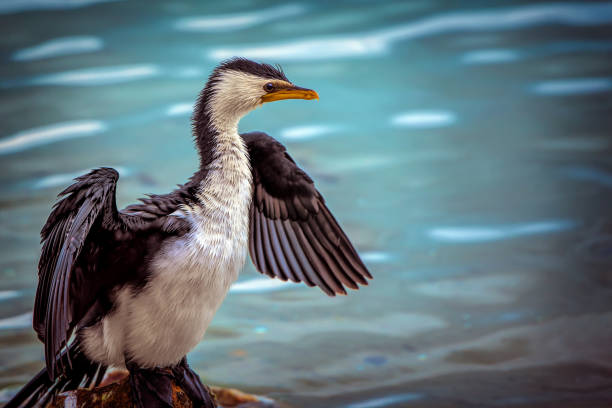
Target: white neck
[235,94]
[227,185]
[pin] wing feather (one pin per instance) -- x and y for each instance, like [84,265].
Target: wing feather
[269,251]
[283,252]
[252,229]
[321,262]
[311,265]
[293,234]
[262,265]
[293,255]
[277,251]
[333,246]
[86,206]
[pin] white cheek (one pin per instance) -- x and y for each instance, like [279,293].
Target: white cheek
[236,94]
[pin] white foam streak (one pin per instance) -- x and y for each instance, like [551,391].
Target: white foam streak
[258,286]
[230,22]
[98,76]
[324,48]
[8,294]
[49,134]
[424,119]
[16,322]
[494,233]
[379,42]
[307,132]
[62,179]
[574,86]
[492,56]
[376,257]
[58,47]
[15,6]
[180,109]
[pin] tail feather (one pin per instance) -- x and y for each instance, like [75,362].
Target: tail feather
[83,373]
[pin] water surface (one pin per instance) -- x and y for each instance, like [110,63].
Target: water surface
[465,148]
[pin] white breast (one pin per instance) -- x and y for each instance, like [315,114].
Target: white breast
[190,277]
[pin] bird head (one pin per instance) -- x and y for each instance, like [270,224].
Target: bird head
[238,86]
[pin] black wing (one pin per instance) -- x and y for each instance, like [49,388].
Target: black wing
[293,235]
[87,207]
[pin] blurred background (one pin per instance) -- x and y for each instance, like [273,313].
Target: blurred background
[464,146]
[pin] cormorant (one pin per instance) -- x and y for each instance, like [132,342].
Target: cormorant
[137,288]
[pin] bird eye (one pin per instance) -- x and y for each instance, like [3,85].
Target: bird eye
[269,86]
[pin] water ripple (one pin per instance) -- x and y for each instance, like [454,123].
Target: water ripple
[502,55]
[15,6]
[30,138]
[391,400]
[379,42]
[597,248]
[494,233]
[584,173]
[572,46]
[573,86]
[95,76]
[357,163]
[424,119]
[491,56]
[59,47]
[575,144]
[485,290]
[238,21]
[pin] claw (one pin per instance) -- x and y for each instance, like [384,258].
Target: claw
[151,388]
[190,382]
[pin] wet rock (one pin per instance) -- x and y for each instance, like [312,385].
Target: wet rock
[113,395]
[117,395]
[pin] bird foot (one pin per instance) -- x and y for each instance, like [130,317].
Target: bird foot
[151,388]
[190,382]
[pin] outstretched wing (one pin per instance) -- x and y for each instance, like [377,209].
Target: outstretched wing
[293,235]
[86,207]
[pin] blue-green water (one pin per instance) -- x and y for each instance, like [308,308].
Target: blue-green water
[465,147]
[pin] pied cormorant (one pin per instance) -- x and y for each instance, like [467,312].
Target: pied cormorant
[137,288]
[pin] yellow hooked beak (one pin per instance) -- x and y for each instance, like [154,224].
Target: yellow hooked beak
[294,92]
